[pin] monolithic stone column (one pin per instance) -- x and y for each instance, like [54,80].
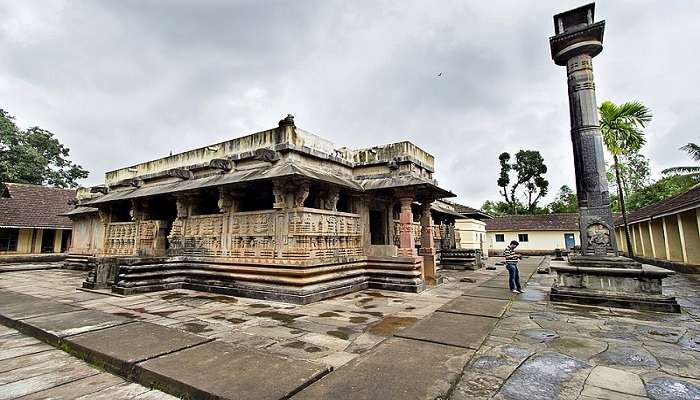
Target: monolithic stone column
[427,249]
[407,244]
[578,39]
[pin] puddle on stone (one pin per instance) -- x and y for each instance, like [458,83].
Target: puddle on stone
[339,334]
[164,313]
[278,316]
[195,327]
[125,314]
[358,320]
[541,335]
[312,349]
[258,305]
[172,296]
[389,325]
[372,313]
[409,308]
[329,314]
[297,344]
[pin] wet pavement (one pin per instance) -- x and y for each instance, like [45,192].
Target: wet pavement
[503,347]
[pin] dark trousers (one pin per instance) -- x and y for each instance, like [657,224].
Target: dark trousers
[513,276]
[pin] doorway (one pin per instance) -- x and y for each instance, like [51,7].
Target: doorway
[47,240]
[569,241]
[377,227]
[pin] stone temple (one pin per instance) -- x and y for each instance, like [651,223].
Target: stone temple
[279,214]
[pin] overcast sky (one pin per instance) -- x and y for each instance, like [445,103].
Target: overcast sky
[121,82]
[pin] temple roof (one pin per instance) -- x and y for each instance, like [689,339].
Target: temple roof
[34,206]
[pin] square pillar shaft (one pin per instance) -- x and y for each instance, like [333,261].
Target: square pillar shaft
[427,249]
[407,243]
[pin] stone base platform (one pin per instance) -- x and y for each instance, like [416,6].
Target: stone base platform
[604,299]
[299,283]
[460,259]
[611,281]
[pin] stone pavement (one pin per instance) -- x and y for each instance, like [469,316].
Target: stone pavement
[543,350]
[29,266]
[463,340]
[32,370]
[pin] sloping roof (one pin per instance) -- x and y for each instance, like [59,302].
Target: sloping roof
[34,206]
[441,206]
[688,199]
[469,211]
[276,171]
[540,222]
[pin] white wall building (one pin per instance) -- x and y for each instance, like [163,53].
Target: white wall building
[537,234]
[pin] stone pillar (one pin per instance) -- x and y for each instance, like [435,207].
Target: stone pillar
[578,39]
[407,244]
[427,249]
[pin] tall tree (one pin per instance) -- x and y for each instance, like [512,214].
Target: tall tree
[694,152]
[35,156]
[622,129]
[529,167]
[565,202]
[635,173]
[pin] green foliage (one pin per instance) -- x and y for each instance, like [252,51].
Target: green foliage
[622,126]
[634,170]
[694,151]
[565,202]
[529,167]
[501,208]
[35,156]
[662,189]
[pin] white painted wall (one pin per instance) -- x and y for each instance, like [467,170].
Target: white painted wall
[472,234]
[537,240]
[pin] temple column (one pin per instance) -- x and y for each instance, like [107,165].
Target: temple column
[407,244]
[427,249]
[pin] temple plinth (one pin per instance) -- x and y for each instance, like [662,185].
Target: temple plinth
[598,275]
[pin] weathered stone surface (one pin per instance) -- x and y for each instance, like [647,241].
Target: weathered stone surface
[78,388]
[476,306]
[50,328]
[616,380]
[544,376]
[491,293]
[627,356]
[578,347]
[118,348]
[663,388]
[206,370]
[60,375]
[397,369]
[476,386]
[32,307]
[539,335]
[460,330]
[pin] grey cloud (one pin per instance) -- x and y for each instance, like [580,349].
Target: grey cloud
[126,81]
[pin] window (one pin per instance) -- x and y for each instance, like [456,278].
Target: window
[522,237]
[500,237]
[8,239]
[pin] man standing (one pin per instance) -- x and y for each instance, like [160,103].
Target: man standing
[512,267]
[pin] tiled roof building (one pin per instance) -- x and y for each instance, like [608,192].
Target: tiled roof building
[31,219]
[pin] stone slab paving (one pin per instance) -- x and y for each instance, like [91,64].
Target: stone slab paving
[48,373]
[398,369]
[459,330]
[119,348]
[492,293]
[52,328]
[543,350]
[494,308]
[222,370]
[11,312]
[18,267]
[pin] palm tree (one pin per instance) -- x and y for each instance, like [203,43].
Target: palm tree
[694,151]
[622,128]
